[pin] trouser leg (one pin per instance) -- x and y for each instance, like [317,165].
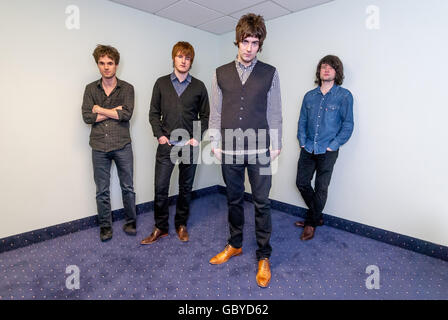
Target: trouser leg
[124,159]
[305,171]
[260,179]
[186,178]
[101,173]
[233,175]
[324,170]
[163,170]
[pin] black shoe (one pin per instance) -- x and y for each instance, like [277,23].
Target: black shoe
[105,233]
[301,224]
[130,228]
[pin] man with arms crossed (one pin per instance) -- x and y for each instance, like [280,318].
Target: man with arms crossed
[178,101]
[246,98]
[325,124]
[108,105]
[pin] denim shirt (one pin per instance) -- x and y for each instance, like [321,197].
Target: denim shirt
[326,121]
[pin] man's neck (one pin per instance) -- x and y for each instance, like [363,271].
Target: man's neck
[181,76]
[109,83]
[326,86]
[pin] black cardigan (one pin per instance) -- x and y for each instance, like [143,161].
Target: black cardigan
[168,111]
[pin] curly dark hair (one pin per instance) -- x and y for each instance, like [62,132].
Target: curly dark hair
[250,25]
[111,52]
[336,64]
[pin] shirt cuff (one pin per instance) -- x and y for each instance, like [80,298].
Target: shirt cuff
[334,145]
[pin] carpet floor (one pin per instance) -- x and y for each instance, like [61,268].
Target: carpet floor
[331,266]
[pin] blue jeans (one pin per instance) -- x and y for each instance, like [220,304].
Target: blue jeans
[102,161]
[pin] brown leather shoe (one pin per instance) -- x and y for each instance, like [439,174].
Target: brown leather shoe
[308,233]
[226,254]
[301,224]
[154,236]
[182,233]
[264,273]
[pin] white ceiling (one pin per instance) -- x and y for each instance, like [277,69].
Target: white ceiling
[218,16]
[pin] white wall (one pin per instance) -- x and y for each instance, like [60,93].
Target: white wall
[45,169]
[392,173]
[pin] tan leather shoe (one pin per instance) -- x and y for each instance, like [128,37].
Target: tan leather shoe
[182,233]
[264,273]
[308,233]
[154,236]
[226,254]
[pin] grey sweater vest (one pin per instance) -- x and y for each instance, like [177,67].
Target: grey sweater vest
[244,106]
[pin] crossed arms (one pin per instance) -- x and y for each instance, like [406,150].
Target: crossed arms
[103,113]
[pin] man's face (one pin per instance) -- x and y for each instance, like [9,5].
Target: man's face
[248,49]
[107,67]
[182,63]
[327,73]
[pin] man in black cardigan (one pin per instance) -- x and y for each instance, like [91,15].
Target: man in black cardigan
[178,102]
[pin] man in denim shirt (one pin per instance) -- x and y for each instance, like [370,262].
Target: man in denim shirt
[325,124]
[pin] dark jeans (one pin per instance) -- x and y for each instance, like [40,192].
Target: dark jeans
[102,162]
[315,199]
[234,176]
[163,171]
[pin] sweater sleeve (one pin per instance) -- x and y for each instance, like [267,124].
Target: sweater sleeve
[155,112]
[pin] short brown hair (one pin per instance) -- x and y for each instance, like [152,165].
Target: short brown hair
[184,48]
[336,64]
[250,25]
[111,52]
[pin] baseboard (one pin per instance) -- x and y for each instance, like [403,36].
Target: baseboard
[36,236]
[389,237]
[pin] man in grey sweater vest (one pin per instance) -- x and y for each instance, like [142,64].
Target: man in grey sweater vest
[246,119]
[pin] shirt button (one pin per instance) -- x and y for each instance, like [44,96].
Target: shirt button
[241,118]
[242,98]
[241,108]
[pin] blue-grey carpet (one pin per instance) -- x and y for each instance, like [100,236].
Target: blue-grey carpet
[331,266]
